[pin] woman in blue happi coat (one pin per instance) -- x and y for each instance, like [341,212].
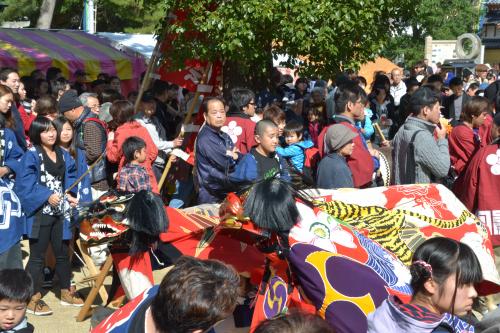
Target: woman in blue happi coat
[47,171]
[12,219]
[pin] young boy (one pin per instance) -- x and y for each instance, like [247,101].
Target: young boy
[261,162]
[333,171]
[16,289]
[133,177]
[294,152]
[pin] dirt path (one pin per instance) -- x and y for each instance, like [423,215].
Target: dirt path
[63,318]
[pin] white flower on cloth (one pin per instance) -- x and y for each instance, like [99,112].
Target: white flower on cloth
[233,130]
[494,161]
[321,230]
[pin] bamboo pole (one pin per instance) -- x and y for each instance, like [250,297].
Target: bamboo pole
[153,62]
[187,120]
[379,132]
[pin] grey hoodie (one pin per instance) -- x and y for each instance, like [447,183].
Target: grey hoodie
[430,160]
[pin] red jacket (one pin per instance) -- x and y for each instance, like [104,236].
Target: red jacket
[114,148]
[241,131]
[463,143]
[479,188]
[360,162]
[26,118]
[485,131]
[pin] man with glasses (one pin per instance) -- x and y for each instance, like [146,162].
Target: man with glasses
[91,101]
[215,154]
[239,126]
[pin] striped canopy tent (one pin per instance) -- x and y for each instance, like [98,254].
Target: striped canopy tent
[69,50]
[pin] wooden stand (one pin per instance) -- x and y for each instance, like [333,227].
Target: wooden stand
[97,276]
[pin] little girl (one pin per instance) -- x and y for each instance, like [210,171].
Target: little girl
[47,171]
[443,274]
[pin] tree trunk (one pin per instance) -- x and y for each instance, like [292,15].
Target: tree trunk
[46,13]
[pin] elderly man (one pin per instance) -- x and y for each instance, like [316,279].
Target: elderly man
[398,87]
[91,101]
[90,136]
[216,154]
[418,158]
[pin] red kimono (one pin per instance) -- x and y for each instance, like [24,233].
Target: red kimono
[485,131]
[479,188]
[114,151]
[463,143]
[360,162]
[241,131]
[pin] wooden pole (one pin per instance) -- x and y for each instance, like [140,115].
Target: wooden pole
[187,120]
[379,132]
[147,77]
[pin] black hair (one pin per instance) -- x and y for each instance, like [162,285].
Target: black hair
[159,87]
[348,92]
[52,73]
[147,218]
[59,123]
[5,71]
[473,86]
[271,204]
[39,125]
[423,97]
[262,125]
[446,257]
[435,78]
[109,96]
[97,82]
[240,97]
[15,285]
[206,101]
[293,126]
[455,82]
[130,146]
[58,85]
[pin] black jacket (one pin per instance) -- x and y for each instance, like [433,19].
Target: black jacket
[449,106]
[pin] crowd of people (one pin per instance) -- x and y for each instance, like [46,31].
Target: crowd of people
[66,143]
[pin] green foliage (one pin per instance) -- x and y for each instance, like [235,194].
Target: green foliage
[437,18]
[326,35]
[112,15]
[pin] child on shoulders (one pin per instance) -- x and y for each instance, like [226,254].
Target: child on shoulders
[134,177]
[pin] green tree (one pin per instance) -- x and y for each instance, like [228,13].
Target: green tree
[112,15]
[441,20]
[326,35]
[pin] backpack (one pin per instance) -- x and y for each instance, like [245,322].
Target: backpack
[306,178]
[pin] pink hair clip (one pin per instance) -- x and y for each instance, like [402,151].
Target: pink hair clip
[427,266]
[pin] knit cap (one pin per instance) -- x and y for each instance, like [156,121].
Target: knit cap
[338,136]
[69,101]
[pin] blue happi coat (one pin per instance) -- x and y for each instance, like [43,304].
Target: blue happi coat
[12,219]
[33,194]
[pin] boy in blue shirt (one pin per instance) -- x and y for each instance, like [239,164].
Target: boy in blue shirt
[296,146]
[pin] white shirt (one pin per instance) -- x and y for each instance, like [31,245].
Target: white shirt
[397,92]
